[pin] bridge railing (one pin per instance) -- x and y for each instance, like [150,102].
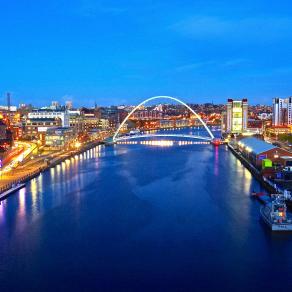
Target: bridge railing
[123,138]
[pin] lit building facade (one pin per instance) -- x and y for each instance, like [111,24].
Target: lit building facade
[37,128]
[147,115]
[236,116]
[282,111]
[63,115]
[59,137]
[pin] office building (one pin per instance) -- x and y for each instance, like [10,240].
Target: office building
[37,128]
[236,116]
[63,115]
[59,137]
[282,111]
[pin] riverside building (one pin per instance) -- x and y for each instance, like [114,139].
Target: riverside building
[37,128]
[256,150]
[236,116]
[59,138]
[282,111]
[47,113]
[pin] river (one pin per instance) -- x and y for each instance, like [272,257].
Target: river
[140,217]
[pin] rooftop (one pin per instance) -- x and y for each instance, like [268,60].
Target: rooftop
[44,119]
[58,129]
[255,145]
[47,110]
[286,157]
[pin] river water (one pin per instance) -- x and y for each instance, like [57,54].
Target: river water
[141,217]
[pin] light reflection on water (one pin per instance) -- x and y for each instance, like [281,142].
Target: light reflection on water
[216,162]
[61,180]
[34,190]
[21,210]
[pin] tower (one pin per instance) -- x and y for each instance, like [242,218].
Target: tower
[282,111]
[236,116]
[8,108]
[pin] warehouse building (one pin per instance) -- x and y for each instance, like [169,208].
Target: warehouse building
[257,150]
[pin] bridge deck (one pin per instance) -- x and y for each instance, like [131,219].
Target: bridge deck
[162,135]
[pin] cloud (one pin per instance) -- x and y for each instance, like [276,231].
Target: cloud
[228,64]
[240,30]
[67,97]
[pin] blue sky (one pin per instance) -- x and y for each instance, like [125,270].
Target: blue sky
[116,52]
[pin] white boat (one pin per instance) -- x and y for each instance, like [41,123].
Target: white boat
[135,132]
[275,215]
[12,190]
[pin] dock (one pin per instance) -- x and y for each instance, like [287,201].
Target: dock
[265,183]
[11,191]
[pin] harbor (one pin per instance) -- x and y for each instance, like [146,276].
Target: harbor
[274,210]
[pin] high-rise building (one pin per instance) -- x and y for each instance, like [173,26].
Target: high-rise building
[236,116]
[3,128]
[55,105]
[282,111]
[69,105]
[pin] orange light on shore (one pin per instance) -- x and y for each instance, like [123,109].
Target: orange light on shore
[77,144]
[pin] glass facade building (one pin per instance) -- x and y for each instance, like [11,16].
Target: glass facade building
[236,116]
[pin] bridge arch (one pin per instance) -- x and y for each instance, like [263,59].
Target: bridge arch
[161,97]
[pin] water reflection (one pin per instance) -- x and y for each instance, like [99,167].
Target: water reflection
[247,181]
[52,172]
[21,207]
[216,162]
[2,211]
[34,190]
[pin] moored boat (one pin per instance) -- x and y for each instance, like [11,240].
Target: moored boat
[217,142]
[275,215]
[262,197]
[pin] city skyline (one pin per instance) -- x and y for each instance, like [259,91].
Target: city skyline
[79,104]
[145,145]
[122,52]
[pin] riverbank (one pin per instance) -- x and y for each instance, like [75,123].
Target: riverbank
[265,183]
[45,166]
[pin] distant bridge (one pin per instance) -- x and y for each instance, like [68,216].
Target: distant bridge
[124,138]
[116,138]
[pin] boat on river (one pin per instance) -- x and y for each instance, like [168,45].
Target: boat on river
[218,142]
[275,215]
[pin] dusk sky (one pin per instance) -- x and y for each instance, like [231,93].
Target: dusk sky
[121,52]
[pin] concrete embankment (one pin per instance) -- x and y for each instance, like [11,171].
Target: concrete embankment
[22,179]
[58,160]
[265,183]
[52,163]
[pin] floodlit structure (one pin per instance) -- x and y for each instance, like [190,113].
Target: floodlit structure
[257,150]
[236,116]
[162,97]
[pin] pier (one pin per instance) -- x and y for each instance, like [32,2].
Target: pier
[265,183]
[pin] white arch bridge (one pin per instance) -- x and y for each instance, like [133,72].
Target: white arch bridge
[116,137]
